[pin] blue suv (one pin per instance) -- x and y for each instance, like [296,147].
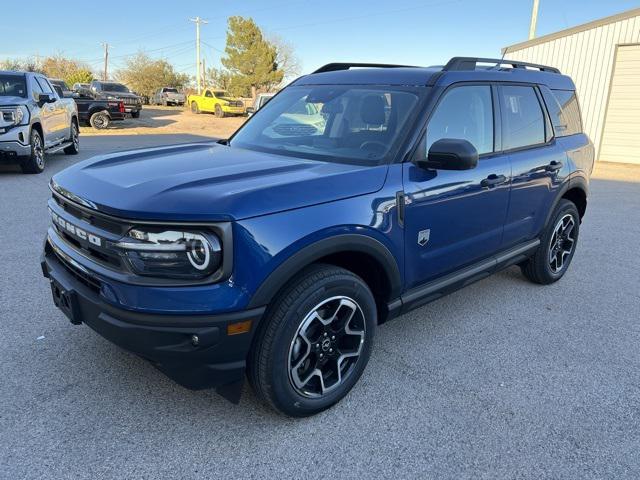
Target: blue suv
[357,193]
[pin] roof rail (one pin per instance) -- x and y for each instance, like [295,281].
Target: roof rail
[469,63]
[334,67]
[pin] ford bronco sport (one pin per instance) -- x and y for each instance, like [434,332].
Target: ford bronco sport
[278,252]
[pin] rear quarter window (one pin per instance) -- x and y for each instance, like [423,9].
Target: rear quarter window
[564,111]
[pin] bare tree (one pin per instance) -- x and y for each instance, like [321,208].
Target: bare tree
[286,58]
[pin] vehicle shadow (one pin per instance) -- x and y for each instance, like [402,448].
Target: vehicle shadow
[150,117]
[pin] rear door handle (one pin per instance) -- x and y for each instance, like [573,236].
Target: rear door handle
[553,166]
[493,180]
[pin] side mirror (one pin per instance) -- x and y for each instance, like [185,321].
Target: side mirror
[45,98]
[450,154]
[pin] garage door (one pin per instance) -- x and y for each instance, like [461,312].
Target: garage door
[621,137]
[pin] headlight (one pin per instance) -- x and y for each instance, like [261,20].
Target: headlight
[16,116]
[172,253]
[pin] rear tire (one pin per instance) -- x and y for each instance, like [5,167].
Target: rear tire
[194,108]
[135,114]
[322,323]
[557,246]
[100,120]
[219,112]
[35,163]
[74,148]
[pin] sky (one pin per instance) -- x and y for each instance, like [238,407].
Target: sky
[416,32]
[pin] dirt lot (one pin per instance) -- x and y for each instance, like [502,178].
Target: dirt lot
[171,120]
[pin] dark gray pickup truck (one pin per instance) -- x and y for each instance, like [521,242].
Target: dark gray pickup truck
[34,120]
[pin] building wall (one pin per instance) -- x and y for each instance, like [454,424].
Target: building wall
[587,56]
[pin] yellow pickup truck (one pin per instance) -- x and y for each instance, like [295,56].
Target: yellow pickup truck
[216,101]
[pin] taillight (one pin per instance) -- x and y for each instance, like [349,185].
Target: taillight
[121,107]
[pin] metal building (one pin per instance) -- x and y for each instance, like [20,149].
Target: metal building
[603,58]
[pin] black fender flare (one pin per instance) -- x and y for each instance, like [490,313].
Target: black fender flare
[336,244]
[575,181]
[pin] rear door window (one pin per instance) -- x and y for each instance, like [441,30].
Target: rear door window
[523,121]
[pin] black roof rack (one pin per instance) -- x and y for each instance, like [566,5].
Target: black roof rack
[469,63]
[334,67]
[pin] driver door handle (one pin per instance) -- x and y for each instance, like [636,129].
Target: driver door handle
[493,180]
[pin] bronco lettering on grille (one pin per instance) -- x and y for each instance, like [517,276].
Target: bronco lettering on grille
[76,231]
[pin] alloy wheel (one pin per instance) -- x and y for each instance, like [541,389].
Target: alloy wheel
[75,138]
[38,151]
[326,347]
[562,243]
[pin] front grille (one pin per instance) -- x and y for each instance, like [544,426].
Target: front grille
[236,104]
[95,220]
[94,244]
[87,280]
[130,101]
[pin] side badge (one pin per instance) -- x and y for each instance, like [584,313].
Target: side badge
[423,237]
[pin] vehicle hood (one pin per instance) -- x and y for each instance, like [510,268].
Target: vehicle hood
[210,182]
[11,100]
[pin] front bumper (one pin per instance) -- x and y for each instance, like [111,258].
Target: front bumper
[233,110]
[15,143]
[217,359]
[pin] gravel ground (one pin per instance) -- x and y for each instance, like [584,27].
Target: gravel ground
[504,379]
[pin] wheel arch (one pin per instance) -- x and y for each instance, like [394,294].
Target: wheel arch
[38,126]
[360,254]
[575,190]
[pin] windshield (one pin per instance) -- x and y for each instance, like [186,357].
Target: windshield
[170,90]
[13,86]
[360,124]
[114,87]
[221,94]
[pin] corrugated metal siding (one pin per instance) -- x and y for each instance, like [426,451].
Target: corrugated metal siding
[587,57]
[621,136]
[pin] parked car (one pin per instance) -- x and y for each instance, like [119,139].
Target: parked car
[81,87]
[168,96]
[98,113]
[34,121]
[260,101]
[66,91]
[279,257]
[117,91]
[216,101]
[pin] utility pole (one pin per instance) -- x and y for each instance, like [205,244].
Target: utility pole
[204,74]
[534,19]
[198,21]
[105,74]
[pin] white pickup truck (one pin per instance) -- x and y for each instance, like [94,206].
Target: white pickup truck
[34,120]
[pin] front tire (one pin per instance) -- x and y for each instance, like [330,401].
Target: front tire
[314,342]
[219,112]
[557,246]
[35,163]
[74,148]
[135,114]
